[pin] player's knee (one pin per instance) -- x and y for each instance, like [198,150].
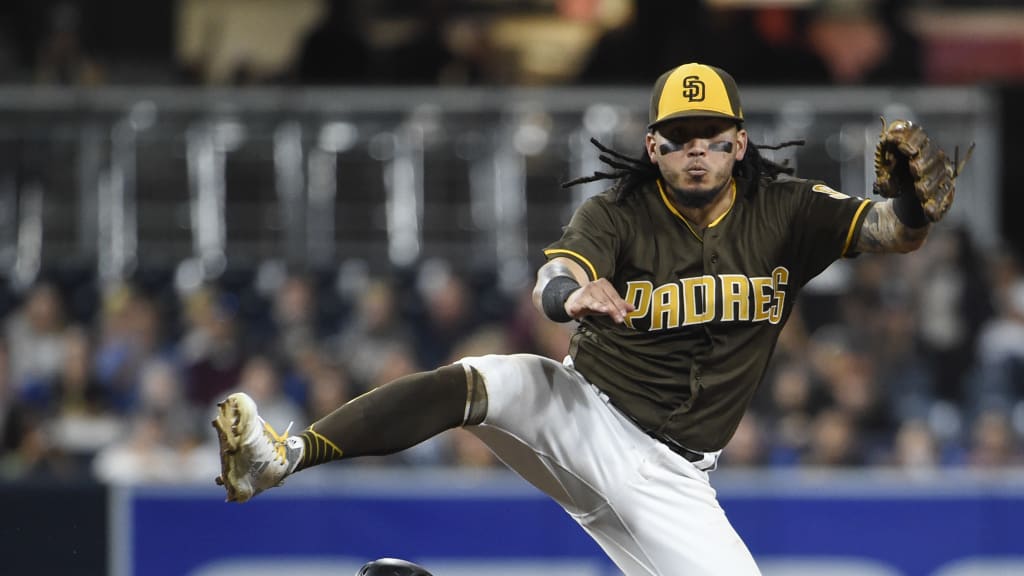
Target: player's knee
[494,369]
[476,397]
[466,381]
[514,384]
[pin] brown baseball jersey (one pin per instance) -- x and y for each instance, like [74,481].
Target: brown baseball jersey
[710,304]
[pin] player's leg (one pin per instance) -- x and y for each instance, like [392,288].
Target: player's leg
[670,508]
[390,418]
[652,517]
[538,420]
[549,425]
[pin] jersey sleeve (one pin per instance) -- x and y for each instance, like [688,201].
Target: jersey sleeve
[591,239]
[826,226]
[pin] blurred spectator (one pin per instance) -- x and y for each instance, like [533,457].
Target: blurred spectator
[142,455]
[242,41]
[392,362]
[551,339]
[447,315]
[29,453]
[846,372]
[259,379]
[294,318]
[955,301]
[769,45]
[488,339]
[62,57]
[162,394]
[296,376]
[915,448]
[903,375]
[75,389]
[474,55]
[195,311]
[211,351]
[7,398]
[424,56]
[336,51]
[747,449]
[528,331]
[794,339]
[873,283]
[12,67]
[834,442]
[829,352]
[163,439]
[659,36]
[794,401]
[130,335]
[329,388]
[376,325]
[81,421]
[865,42]
[1004,270]
[998,379]
[992,442]
[469,451]
[27,448]
[542,46]
[35,341]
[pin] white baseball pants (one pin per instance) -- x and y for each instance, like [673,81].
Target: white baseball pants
[653,512]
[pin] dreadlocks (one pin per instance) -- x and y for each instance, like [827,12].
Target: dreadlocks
[632,172]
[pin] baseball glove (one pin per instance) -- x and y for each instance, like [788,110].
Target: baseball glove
[907,162]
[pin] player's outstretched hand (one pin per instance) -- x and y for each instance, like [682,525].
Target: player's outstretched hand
[598,297]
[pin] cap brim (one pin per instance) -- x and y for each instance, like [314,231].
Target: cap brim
[695,114]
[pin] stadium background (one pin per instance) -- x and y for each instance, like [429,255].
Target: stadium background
[305,199]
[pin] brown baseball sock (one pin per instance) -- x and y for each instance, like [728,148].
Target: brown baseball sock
[397,415]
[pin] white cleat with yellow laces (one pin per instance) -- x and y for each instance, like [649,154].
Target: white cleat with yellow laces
[253,456]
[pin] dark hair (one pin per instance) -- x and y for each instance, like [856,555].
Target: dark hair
[632,172]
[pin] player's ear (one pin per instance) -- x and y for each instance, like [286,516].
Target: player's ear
[651,144]
[741,144]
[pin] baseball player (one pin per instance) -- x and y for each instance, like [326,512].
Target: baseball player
[681,276]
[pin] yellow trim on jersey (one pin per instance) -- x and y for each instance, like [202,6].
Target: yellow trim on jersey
[672,209]
[853,225]
[732,201]
[576,255]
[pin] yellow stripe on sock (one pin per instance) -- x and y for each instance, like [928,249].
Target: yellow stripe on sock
[322,438]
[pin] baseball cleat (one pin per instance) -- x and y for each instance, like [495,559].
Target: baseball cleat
[253,456]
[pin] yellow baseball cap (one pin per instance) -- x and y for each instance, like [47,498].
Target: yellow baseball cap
[695,90]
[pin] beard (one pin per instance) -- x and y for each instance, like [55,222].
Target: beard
[696,197]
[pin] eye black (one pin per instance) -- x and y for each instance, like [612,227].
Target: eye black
[683,134]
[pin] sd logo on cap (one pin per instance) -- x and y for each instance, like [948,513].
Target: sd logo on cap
[694,90]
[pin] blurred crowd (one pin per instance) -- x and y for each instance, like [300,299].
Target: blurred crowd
[909,362]
[502,42]
[119,383]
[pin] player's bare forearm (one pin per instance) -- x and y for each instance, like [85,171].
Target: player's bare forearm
[554,268]
[883,232]
[593,297]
